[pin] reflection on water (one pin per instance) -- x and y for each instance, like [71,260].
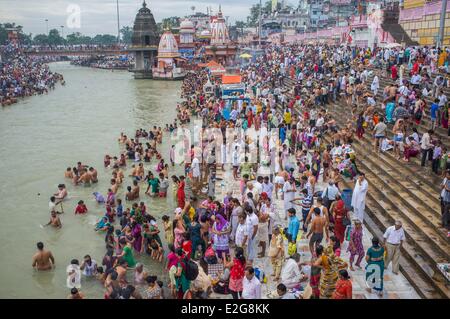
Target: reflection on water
[43,135]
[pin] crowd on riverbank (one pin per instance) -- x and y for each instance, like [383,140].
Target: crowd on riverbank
[22,76]
[105,62]
[278,143]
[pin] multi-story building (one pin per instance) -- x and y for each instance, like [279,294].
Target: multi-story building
[201,21]
[421,19]
[318,13]
[340,12]
[286,19]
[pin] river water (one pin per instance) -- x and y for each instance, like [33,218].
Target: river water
[43,135]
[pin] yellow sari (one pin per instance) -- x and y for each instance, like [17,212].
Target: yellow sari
[331,265]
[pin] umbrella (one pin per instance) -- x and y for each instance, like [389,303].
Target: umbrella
[245,56]
[393,45]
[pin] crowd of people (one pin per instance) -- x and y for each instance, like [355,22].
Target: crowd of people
[290,158]
[21,75]
[105,62]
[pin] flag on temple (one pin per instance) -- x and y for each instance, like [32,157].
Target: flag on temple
[274,5]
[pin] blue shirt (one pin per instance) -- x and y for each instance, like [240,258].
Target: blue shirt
[433,110]
[293,227]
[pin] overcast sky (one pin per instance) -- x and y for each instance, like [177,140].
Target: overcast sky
[99,16]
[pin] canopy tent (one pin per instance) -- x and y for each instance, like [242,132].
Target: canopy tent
[393,45]
[245,56]
[231,79]
[214,67]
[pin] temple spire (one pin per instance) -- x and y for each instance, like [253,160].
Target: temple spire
[144,4]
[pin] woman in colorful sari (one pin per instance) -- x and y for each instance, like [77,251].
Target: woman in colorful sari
[390,106]
[181,196]
[339,213]
[175,181]
[220,235]
[343,286]
[375,267]
[137,234]
[331,264]
[316,270]
[355,245]
[178,231]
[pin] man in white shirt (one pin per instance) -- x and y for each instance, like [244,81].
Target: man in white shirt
[241,232]
[52,204]
[267,187]
[252,228]
[258,185]
[416,78]
[251,285]
[289,191]
[426,147]
[393,240]
[291,274]
[196,171]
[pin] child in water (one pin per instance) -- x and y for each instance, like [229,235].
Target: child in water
[81,208]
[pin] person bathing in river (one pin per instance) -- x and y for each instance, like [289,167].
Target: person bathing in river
[68,173]
[61,194]
[54,220]
[43,259]
[93,173]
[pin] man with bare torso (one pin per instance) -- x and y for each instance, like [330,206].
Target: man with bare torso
[61,194]
[43,259]
[93,173]
[135,190]
[114,186]
[318,225]
[85,178]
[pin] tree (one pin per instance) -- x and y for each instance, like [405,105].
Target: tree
[78,38]
[23,38]
[41,39]
[253,18]
[171,22]
[127,34]
[240,25]
[104,39]
[54,38]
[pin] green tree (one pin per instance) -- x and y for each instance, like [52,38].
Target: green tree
[171,22]
[78,38]
[240,25]
[23,38]
[127,33]
[253,18]
[54,38]
[104,39]
[40,39]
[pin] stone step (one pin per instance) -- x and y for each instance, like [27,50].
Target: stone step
[421,264]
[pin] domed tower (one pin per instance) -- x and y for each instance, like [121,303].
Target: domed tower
[187,31]
[144,42]
[187,41]
[220,49]
[219,30]
[168,59]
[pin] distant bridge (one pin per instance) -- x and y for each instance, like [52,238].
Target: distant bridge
[75,52]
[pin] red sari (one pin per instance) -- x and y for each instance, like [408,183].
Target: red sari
[343,289]
[394,72]
[181,196]
[340,212]
[250,118]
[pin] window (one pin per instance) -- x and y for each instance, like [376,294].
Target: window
[147,40]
